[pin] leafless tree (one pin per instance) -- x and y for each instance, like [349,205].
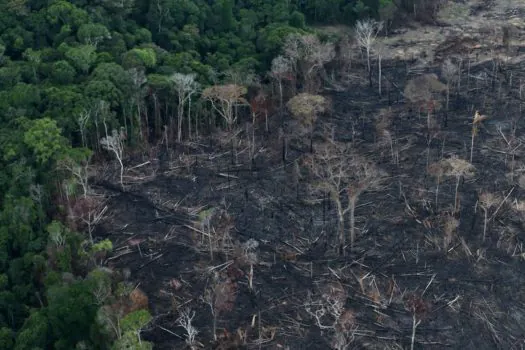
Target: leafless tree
[329,312]
[308,56]
[281,67]
[458,168]
[185,321]
[115,143]
[476,122]
[78,168]
[449,71]
[487,201]
[344,175]
[366,32]
[422,90]
[220,296]
[437,170]
[379,49]
[224,98]
[185,86]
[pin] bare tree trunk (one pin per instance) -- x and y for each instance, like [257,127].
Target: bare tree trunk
[448,94]
[472,146]
[437,192]
[485,224]
[456,194]
[379,57]
[189,116]
[180,112]
[352,204]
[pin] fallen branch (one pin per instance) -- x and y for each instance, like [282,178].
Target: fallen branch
[501,204]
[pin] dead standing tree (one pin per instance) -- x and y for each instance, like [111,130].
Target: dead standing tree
[115,143]
[344,175]
[422,90]
[459,169]
[224,98]
[306,108]
[185,86]
[449,71]
[366,32]
[308,56]
[281,70]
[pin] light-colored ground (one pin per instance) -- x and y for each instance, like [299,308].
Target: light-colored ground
[463,19]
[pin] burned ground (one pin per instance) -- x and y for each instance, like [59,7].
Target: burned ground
[420,273]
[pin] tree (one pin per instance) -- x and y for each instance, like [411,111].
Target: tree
[459,169]
[486,201]
[308,55]
[366,32]
[422,91]
[344,175]
[45,139]
[224,98]
[476,122]
[380,49]
[92,34]
[306,108]
[63,73]
[185,86]
[76,162]
[82,57]
[115,143]
[281,69]
[449,71]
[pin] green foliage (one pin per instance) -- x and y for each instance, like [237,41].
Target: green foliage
[68,326]
[139,58]
[6,338]
[135,320]
[131,341]
[63,73]
[102,246]
[34,333]
[82,57]
[92,33]
[45,139]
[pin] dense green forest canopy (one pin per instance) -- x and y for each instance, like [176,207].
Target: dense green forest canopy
[69,72]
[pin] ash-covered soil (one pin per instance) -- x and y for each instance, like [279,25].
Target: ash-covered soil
[206,227]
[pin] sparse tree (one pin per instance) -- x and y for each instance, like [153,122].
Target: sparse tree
[220,296]
[139,81]
[380,49]
[476,122]
[459,169]
[344,175]
[224,98]
[185,86]
[421,91]
[306,108]
[77,164]
[487,201]
[281,68]
[437,170]
[449,71]
[115,143]
[82,121]
[366,32]
[308,56]
[185,321]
